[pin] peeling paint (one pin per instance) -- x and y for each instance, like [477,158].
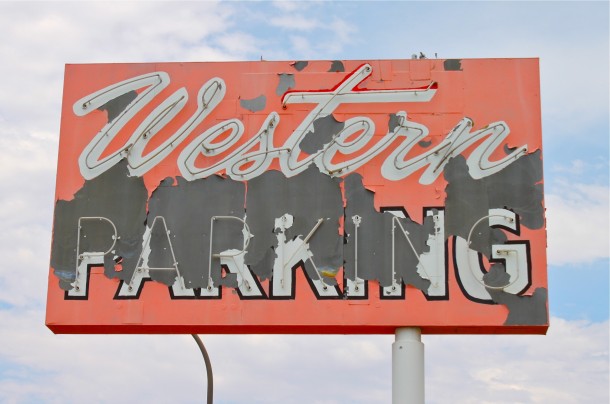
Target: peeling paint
[375,241]
[336,66]
[255,104]
[509,150]
[115,196]
[524,310]
[308,197]
[452,64]
[300,65]
[496,276]
[313,202]
[117,105]
[516,187]
[188,208]
[286,83]
[394,122]
[324,130]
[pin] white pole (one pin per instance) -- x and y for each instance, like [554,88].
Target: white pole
[408,367]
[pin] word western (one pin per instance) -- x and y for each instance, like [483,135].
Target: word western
[243,159]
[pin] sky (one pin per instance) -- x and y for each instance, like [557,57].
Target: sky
[568,365]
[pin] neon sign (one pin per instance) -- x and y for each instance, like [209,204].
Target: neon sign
[328,189]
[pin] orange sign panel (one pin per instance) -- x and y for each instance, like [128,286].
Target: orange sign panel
[300,197]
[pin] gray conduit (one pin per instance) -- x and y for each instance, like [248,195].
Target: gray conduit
[208,368]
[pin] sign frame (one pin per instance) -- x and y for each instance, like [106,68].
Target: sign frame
[341,197]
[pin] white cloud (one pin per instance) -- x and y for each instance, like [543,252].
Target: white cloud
[578,223]
[336,35]
[45,36]
[308,30]
[294,22]
[593,170]
[288,5]
[302,46]
[570,364]
[560,367]
[342,34]
[239,44]
[569,38]
[576,167]
[27,162]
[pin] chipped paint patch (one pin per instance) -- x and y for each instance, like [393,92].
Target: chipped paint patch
[307,197]
[300,65]
[324,130]
[524,310]
[375,257]
[452,64]
[336,66]
[189,208]
[286,83]
[117,105]
[518,187]
[114,196]
[254,104]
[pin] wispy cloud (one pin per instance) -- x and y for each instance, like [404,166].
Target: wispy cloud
[279,369]
[577,223]
[307,30]
[559,367]
[294,22]
[289,5]
[568,365]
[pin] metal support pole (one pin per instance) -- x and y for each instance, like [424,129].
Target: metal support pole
[208,368]
[408,367]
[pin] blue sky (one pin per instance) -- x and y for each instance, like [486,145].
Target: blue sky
[570,364]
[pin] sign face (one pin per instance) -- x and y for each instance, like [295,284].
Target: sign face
[300,197]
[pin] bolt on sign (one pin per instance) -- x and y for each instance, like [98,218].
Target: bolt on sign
[300,197]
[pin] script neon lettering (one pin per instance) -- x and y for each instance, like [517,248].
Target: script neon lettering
[254,156]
